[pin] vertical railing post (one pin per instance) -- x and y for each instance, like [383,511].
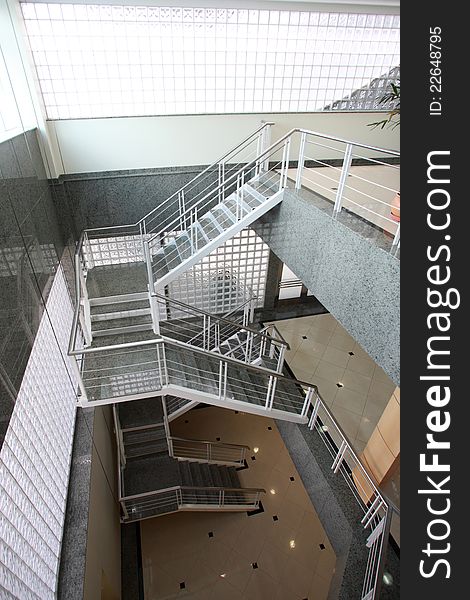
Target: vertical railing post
[280,360]
[265,145]
[314,415]
[159,360]
[396,239]
[250,347]
[259,146]
[308,397]
[286,165]
[283,162]
[165,366]
[301,161]
[91,262]
[238,200]
[339,457]
[208,332]
[221,377]
[225,380]
[204,332]
[342,180]
[85,303]
[151,290]
[273,393]
[81,385]
[268,393]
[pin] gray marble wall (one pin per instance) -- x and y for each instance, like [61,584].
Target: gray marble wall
[31,245]
[345,262]
[103,199]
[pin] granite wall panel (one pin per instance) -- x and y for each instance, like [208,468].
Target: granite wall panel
[347,265]
[31,245]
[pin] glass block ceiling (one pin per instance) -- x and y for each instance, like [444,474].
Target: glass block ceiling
[110,61]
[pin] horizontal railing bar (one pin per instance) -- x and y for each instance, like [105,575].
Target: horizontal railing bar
[378,162]
[369,210]
[197,350]
[358,191]
[222,444]
[214,489]
[320,162]
[345,141]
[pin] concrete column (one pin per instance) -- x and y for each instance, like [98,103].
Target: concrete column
[273,277]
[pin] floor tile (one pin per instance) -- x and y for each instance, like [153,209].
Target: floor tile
[330,372]
[364,366]
[356,382]
[177,547]
[351,400]
[336,357]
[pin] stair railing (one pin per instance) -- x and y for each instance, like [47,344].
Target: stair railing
[273,180]
[207,451]
[200,328]
[147,368]
[159,502]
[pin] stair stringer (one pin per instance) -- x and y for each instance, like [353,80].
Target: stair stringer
[212,245]
[207,398]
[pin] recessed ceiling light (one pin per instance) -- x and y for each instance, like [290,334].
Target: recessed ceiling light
[223,574]
[272,491]
[256,449]
[292,543]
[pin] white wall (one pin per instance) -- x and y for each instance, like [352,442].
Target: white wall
[87,145]
[20,90]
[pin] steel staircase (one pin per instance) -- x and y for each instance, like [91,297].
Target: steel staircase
[205,228]
[134,345]
[160,473]
[132,341]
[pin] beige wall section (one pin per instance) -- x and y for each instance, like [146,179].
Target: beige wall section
[88,145]
[383,447]
[103,559]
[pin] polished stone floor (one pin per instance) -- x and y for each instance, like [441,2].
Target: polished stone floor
[355,388]
[281,553]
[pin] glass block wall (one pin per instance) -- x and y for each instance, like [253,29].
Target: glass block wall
[35,459]
[109,61]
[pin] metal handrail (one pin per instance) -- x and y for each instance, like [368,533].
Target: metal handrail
[264,155]
[344,141]
[281,338]
[214,356]
[214,318]
[191,487]
[199,175]
[230,180]
[222,444]
[215,163]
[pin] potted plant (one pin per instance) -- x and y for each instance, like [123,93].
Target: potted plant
[392,120]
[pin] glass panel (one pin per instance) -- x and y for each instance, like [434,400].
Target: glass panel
[145,59]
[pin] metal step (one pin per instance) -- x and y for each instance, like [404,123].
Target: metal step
[105,300]
[209,226]
[120,314]
[123,330]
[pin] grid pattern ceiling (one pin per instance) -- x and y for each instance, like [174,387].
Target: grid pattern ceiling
[107,61]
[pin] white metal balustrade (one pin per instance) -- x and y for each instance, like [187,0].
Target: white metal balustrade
[164,366]
[377,510]
[226,197]
[189,498]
